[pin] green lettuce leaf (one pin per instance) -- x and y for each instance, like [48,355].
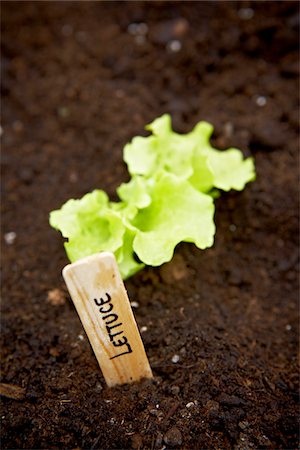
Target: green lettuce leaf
[169,199]
[226,169]
[93,224]
[189,156]
[177,213]
[165,150]
[135,192]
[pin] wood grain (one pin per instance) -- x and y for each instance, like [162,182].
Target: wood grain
[100,298]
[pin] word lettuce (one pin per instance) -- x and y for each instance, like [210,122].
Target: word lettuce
[169,199]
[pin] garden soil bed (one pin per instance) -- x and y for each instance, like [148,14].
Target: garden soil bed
[77,84]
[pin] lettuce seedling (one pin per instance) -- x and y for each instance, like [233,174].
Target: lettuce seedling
[169,199]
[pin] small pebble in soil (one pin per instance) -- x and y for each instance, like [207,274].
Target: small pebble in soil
[228,129]
[175,270]
[245,13]
[12,391]
[143,329]
[81,337]
[73,177]
[182,351]
[119,93]
[230,400]
[140,39]
[190,405]
[142,28]
[134,304]
[243,425]
[173,437]
[136,441]
[288,327]
[137,29]
[232,227]
[54,352]
[181,26]
[63,112]
[175,359]
[167,30]
[174,46]
[98,387]
[10,237]
[261,100]
[175,390]
[159,440]
[132,28]
[56,297]
[212,407]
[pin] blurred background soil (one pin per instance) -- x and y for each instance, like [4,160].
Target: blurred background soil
[79,80]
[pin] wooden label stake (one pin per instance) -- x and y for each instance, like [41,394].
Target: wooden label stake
[99,295]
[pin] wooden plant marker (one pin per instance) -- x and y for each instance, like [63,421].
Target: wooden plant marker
[99,295]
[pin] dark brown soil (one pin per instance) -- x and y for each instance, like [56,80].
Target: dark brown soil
[76,86]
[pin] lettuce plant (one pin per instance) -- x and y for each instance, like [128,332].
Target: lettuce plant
[169,199]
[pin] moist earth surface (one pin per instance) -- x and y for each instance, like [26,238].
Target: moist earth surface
[79,80]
